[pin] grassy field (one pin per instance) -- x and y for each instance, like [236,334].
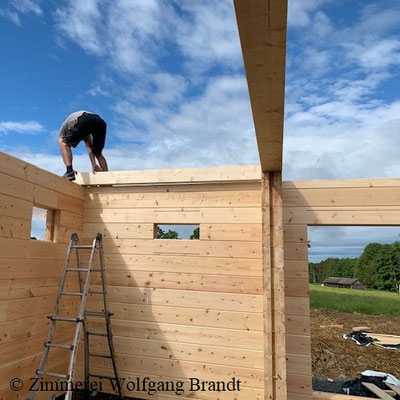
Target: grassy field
[373,302]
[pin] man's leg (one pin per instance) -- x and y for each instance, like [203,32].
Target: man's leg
[66,155]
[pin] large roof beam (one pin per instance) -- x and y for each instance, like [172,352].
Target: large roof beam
[262,28]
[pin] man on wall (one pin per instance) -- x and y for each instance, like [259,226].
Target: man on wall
[86,126]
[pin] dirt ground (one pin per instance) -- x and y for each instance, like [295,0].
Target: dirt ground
[335,357]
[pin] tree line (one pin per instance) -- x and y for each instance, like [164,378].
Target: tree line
[378,267]
[161,234]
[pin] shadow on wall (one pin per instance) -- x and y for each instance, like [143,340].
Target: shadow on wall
[182,308]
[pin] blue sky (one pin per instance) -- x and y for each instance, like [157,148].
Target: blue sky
[168,78]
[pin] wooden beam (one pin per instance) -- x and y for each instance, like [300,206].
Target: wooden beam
[262,29]
[273,288]
[235,173]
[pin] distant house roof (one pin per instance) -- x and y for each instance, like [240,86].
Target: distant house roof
[342,281]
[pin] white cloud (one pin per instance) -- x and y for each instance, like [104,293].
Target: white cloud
[133,35]
[97,90]
[29,127]
[124,32]
[80,22]
[377,55]
[300,11]
[13,8]
[339,241]
[10,15]
[209,35]
[27,6]
[338,122]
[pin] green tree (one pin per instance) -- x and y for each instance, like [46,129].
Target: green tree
[388,268]
[166,235]
[366,265]
[196,234]
[346,267]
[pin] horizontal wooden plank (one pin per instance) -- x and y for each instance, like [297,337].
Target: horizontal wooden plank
[18,188]
[295,233]
[301,384]
[174,368]
[296,269]
[176,216]
[299,364]
[184,264]
[170,280]
[26,367]
[204,317]
[119,231]
[173,188]
[15,208]
[242,232]
[31,306]
[296,325]
[389,216]
[349,196]
[20,349]
[298,344]
[70,203]
[336,396]
[181,247]
[34,175]
[27,288]
[20,329]
[297,396]
[297,287]
[184,298]
[296,251]
[11,268]
[162,176]
[245,393]
[181,351]
[342,183]
[70,220]
[297,306]
[28,249]
[45,197]
[14,227]
[239,339]
[214,198]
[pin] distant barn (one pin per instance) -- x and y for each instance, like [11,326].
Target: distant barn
[348,283]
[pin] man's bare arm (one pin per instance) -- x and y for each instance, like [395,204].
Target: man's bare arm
[102,161]
[89,148]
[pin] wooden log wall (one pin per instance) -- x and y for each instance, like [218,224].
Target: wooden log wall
[30,269]
[335,202]
[183,308]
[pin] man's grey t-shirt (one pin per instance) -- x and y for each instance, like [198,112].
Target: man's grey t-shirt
[70,122]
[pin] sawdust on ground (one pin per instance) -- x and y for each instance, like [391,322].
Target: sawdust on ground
[335,357]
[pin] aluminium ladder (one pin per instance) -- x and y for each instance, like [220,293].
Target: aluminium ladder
[80,321]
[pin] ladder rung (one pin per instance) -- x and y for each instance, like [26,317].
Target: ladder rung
[67,319]
[99,355]
[98,313]
[60,346]
[77,269]
[95,292]
[38,372]
[71,293]
[97,334]
[82,246]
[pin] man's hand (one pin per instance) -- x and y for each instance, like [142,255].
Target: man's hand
[96,168]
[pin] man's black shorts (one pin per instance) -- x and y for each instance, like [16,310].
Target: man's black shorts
[88,124]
